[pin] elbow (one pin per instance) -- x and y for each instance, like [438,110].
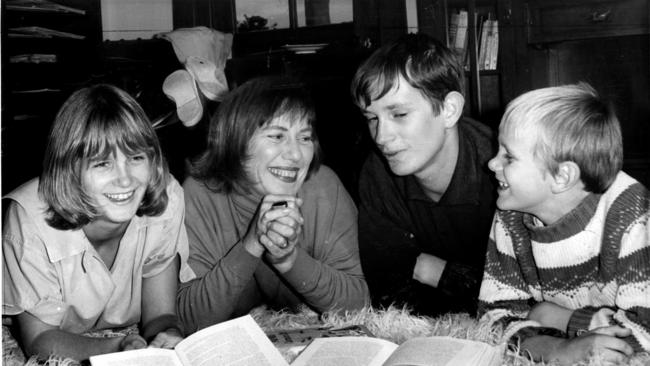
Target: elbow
[198,308]
[184,311]
[358,297]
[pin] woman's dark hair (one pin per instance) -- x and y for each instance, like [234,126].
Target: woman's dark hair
[243,111]
[93,123]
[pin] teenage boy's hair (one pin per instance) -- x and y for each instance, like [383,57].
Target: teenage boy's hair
[222,166]
[424,62]
[92,124]
[575,124]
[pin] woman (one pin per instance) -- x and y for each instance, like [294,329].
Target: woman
[92,245]
[265,224]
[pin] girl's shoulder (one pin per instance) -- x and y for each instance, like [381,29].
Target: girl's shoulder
[175,198]
[26,194]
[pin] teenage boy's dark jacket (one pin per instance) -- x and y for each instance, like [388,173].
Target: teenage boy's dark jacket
[397,222]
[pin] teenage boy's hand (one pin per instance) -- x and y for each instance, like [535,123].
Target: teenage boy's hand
[428,269]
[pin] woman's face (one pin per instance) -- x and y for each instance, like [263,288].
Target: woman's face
[117,184]
[280,154]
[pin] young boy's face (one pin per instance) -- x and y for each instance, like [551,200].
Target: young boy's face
[524,180]
[406,130]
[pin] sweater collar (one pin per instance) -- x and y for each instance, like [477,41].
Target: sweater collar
[568,225]
[245,202]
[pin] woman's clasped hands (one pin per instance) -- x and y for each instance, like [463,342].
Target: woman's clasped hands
[275,230]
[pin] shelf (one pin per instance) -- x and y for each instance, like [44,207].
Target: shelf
[34,91]
[41,6]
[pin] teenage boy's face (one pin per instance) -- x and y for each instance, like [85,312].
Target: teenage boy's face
[524,180]
[406,129]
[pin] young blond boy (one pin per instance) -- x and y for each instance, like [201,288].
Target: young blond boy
[568,261]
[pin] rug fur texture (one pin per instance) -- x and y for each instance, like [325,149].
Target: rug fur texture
[393,324]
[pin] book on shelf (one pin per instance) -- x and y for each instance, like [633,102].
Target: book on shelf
[485,27]
[453,29]
[488,44]
[33,58]
[242,342]
[458,28]
[493,48]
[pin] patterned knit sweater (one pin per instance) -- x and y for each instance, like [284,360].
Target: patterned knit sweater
[595,261]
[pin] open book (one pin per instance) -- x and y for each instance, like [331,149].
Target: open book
[423,351]
[242,342]
[238,342]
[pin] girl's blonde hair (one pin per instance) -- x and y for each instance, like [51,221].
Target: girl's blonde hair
[93,123]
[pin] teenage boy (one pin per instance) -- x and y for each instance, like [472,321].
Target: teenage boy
[568,264]
[426,195]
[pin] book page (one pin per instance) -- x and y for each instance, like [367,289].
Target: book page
[238,342]
[348,351]
[138,357]
[441,351]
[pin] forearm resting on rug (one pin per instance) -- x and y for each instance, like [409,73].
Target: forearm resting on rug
[607,343]
[42,339]
[551,315]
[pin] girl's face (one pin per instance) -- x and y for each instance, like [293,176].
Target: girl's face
[117,184]
[280,154]
[524,180]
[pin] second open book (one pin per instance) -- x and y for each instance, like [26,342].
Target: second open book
[242,342]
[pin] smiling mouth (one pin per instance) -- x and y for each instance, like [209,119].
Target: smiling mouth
[119,197]
[390,154]
[289,175]
[503,186]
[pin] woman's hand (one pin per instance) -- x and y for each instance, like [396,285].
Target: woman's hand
[283,223]
[274,228]
[167,339]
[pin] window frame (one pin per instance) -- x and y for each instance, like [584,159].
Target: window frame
[223,17]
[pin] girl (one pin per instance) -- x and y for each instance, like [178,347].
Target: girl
[94,244]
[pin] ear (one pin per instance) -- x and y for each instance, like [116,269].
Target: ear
[567,176]
[452,108]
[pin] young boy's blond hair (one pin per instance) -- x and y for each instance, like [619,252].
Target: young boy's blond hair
[574,124]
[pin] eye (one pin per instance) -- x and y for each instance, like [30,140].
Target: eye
[509,158]
[399,115]
[276,137]
[138,158]
[306,138]
[100,164]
